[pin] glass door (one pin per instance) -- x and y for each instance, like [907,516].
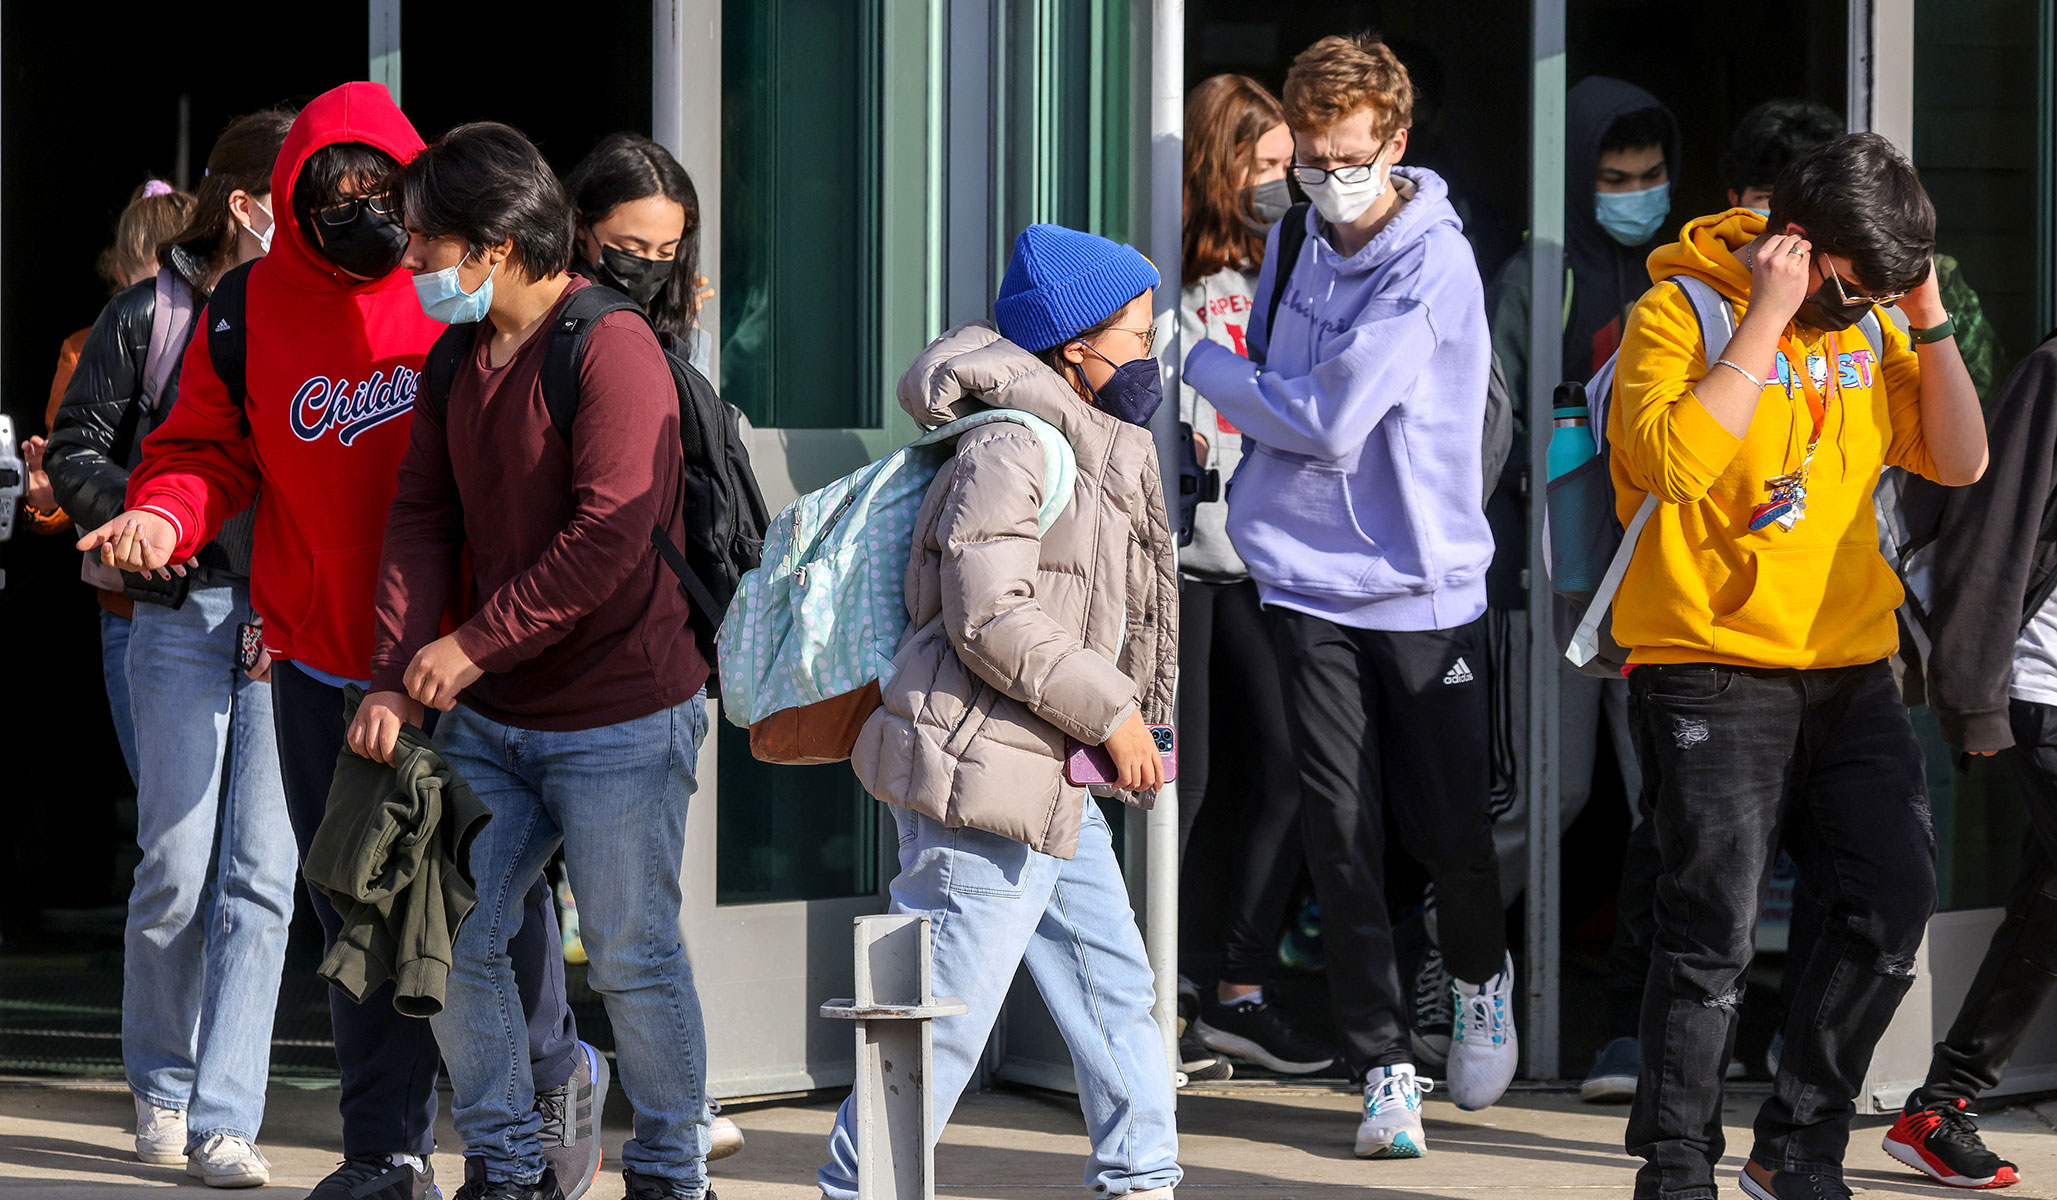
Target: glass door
[811,158]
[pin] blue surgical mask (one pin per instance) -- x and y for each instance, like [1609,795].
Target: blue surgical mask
[1762,212]
[1633,218]
[444,299]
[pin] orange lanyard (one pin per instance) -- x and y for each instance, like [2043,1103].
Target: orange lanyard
[1798,370]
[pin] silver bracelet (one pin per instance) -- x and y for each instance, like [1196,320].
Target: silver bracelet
[1722,362]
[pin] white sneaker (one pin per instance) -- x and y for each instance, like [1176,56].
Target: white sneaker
[1392,1113]
[1483,1049]
[160,1134]
[227,1161]
[723,1138]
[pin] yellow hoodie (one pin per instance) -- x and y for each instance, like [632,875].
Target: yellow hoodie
[1702,587]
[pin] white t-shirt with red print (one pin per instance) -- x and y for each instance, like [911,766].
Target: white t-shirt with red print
[1218,309]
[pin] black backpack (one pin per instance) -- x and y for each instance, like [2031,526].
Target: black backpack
[725,516]
[1498,439]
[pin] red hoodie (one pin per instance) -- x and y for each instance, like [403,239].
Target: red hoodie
[330,373]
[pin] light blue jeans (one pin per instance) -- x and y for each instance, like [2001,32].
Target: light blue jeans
[114,671]
[615,798]
[994,904]
[213,896]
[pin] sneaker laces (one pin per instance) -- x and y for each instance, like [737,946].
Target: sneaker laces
[1396,1089]
[551,1106]
[249,1149]
[1483,1011]
[1956,1125]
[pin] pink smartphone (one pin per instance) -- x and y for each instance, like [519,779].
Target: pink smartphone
[1089,765]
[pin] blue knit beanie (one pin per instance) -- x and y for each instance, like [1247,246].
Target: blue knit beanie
[1061,283]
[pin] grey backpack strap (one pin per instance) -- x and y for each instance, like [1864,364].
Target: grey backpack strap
[1717,319]
[170,321]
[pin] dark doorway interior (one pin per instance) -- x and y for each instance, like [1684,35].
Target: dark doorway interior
[96,101]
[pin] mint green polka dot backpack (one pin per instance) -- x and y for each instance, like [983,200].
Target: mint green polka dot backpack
[811,633]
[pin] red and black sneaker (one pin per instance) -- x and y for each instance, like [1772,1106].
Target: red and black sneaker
[1940,1141]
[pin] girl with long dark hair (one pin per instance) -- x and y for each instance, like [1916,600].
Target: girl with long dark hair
[213,895]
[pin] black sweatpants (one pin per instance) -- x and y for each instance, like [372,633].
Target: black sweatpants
[1392,724]
[389,1062]
[2020,968]
[1228,681]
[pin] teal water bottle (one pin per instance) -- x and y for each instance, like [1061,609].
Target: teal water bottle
[1571,439]
[1576,499]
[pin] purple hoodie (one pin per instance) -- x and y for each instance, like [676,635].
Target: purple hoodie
[1358,496]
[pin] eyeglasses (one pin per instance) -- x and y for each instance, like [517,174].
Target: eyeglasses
[384,204]
[1147,336]
[1843,294]
[1354,173]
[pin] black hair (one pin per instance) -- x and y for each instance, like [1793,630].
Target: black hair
[1773,134]
[320,182]
[1054,359]
[1632,130]
[486,183]
[626,167]
[1858,197]
[241,161]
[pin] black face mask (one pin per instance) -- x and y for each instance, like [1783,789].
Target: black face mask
[638,278]
[1826,311]
[369,246]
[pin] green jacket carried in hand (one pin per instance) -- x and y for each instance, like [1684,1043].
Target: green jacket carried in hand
[393,855]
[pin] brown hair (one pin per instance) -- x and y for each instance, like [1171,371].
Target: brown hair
[1338,77]
[1225,115]
[154,213]
[240,161]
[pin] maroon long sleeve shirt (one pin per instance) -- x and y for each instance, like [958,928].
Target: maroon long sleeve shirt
[573,617]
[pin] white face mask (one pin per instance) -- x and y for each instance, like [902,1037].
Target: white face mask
[1341,203]
[263,239]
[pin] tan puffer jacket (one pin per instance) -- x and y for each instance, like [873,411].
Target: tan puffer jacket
[1039,639]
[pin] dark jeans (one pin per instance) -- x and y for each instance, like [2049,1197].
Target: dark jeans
[2020,967]
[1635,926]
[1391,724]
[1733,758]
[1228,679]
[388,1061]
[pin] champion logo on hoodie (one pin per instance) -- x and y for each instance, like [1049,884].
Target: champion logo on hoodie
[323,405]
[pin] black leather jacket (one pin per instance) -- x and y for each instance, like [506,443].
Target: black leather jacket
[98,436]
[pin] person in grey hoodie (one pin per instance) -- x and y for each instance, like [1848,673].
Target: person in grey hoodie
[1358,510]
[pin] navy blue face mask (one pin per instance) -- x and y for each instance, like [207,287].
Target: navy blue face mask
[1133,393]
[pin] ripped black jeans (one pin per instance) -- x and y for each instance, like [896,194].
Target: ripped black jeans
[1733,759]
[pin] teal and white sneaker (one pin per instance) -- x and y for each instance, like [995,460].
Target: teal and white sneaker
[1392,1113]
[1483,1049]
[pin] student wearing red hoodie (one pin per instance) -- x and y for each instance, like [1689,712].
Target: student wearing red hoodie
[335,344]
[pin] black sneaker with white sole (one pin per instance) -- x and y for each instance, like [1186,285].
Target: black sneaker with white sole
[1254,1030]
[1199,1064]
[1792,1185]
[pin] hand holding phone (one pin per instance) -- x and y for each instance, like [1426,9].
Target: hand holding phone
[249,645]
[1090,765]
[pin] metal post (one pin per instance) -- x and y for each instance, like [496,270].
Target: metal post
[385,45]
[896,1157]
[1167,191]
[685,44]
[1546,369]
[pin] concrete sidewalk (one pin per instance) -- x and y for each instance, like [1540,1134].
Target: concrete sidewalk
[1278,1142]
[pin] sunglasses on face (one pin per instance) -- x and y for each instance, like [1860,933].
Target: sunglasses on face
[1849,297]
